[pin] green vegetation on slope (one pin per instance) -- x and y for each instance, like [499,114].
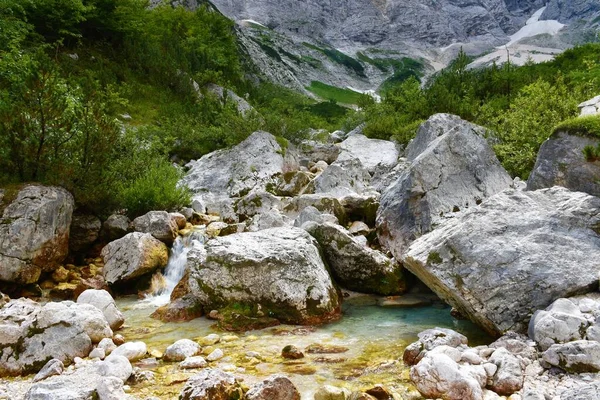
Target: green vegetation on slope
[333,93]
[100,96]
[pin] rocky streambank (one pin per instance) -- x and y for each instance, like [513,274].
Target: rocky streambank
[278,233]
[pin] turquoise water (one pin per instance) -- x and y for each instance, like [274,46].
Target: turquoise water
[375,337]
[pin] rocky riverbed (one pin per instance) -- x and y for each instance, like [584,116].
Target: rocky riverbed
[247,292]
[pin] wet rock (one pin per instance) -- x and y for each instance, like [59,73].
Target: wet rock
[34,233]
[181,350]
[370,152]
[253,164]
[115,227]
[514,254]
[211,384]
[103,301]
[355,266]
[329,392]
[180,220]
[439,376]
[276,387]
[131,350]
[52,368]
[215,355]
[291,352]
[159,224]
[193,362]
[575,357]
[84,231]
[429,340]
[132,256]
[32,334]
[260,271]
[452,168]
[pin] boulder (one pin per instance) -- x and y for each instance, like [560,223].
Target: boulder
[276,271]
[560,162]
[256,203]
[103,301]
[452,168]
[293,183]
[101,380]
[52,368]
[355,266]
[311,214]
[430,339]
[342,178]
[32,334]
[34,233]
[159,224]
[314,151]
[370,152]
[211,384]
[439,376]
[276,387]
[180,219]
[575,357]
[255,163]
[131,350]
[590,107]
[132,256]
[84,231]
[509,376]
[115,227]
[514,254]
[270,219]
[324,203]
[181,350]
[561,322]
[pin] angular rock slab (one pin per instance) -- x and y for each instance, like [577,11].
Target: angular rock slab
[34,233]
[252,164]
[560,162]
[514,254]
[453,168]
[133,255]
[279,269]
[355,266]
[370,152]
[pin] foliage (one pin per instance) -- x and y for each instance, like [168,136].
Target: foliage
[584,126]
[340,58]
[328,92]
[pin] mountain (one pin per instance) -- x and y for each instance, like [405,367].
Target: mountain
[345,43]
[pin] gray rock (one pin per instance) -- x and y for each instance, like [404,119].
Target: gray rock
[132,256]
[32,334]
[211,384]
[509,377]
[342,178]
[115,227]
[34,233]
[370,152]
[93,379]
[131,350]
[561,162]
[193,363]
[276,387]
[253,164]
[329,392]
[324,203]
[255,203]
[315,151]
[215,355]
[514,254]
[439,376]
[84,231]
[181,350]
[575,357]
[279,269]
[107,345]
[590,391]
[294,183]
[103,301]
[311,214]
[571,10]
[52,368]
[159,224]
[267,220]
[561,322]
[452,168]
[430,339]
[355,266]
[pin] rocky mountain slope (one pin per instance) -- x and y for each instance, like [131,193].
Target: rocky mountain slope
[296,43]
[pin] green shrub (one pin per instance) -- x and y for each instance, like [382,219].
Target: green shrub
[583,126]
[155,189]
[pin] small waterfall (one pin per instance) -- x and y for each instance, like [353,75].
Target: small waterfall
[175,268]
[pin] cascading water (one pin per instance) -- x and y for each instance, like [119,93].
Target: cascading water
[175,268]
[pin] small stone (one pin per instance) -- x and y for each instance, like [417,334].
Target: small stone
[52,367]
[214,314]
[107,345]
[213,338]
[97,353]
[193,362]
[291,352]
[118,339]
[181,349]
[131,350]
[328,392]
[217,354]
